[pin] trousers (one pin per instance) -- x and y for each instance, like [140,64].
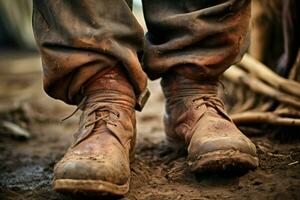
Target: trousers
[78,39]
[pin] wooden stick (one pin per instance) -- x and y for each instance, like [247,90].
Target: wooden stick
[287,112]
[239,76]
[247,105]
[264,73]
[263,117]
[295,71]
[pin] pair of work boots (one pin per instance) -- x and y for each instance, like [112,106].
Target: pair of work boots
[98,162]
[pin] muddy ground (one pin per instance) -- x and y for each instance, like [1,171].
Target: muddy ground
[26,165]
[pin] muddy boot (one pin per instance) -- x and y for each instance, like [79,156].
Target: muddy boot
[98,161]
[196,120]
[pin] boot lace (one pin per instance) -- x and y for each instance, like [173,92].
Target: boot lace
[211,100]
[97,109]
[102,114]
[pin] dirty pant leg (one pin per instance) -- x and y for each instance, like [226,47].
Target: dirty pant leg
[199,39]
[78,39]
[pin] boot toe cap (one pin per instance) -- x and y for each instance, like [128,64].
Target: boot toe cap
[92,168]
[217,144]
[221,154]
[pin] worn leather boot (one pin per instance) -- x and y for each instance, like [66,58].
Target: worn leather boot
[195,119]
[98,161]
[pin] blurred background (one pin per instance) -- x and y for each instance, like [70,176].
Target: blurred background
[32,137]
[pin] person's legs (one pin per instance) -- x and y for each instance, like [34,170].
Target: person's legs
[79,39]
[190,43]
[89,51]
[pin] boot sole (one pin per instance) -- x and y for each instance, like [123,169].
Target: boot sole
[219,161]
[90,187]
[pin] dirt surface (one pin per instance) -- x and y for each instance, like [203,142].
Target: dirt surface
[26,166]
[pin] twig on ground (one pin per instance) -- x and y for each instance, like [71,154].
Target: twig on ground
[259,117]
[15,130]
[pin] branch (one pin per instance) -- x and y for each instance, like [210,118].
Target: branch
[264,73]
[263,117]
[239,76]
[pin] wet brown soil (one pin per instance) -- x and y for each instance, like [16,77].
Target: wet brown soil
[157,173]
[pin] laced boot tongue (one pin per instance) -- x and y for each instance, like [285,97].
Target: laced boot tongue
[105,95]
[177,88]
